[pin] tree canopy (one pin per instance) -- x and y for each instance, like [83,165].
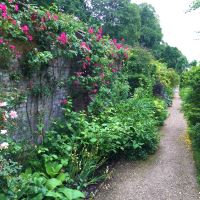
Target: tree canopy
[151,33]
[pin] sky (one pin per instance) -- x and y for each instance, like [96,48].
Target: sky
[180,29]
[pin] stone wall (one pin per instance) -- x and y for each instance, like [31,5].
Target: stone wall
[38,108]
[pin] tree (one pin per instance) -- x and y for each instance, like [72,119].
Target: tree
[174,58]
[76,7]
[151,33]
[120,18]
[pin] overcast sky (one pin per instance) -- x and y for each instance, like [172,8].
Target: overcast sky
[179,28]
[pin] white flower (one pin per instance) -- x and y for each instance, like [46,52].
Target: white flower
[3,104]
[4,145]
[3,132]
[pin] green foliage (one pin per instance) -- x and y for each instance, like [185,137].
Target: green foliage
[121,116]
[5,56]
[39,186]
[191,81]
[173,57]
[120,19]
[139,69]
[160,111]
[151,33]
[190,93]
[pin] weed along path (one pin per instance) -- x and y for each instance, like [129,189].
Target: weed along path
[167,175]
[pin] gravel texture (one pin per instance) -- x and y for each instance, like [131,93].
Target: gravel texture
[167,175]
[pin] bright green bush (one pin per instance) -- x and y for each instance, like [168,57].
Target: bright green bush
[190,93]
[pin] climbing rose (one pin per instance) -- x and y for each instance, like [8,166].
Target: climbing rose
[16,7]
[64,101]
[119,46]
[55,17]
[114,70]
[3,8]
[12,47]
[63,38]
[84,65]
[100,31]
[85,46]
[78,74]
[14,22]
[30,37]
[1,41]
[25,29]
[114,41]
[91,30]
[13,114]
[88,59]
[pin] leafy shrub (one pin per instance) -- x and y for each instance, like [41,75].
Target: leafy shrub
[139,69]
[160,111]
[190,93]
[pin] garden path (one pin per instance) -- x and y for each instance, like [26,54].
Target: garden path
[167,175]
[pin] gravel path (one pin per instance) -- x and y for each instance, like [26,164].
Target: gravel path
[167,175]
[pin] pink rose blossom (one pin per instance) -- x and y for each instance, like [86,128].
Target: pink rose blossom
[25,29]
[55,17]
[114,41]
[12,47]
[119,46]
[64,101]
[13,114]
[91,30]
[14,22]
[85,46]
[30,37]
[3,8]
[63,38]
[16,7]
[1,41]
[3,104]
[114,70]
[85,65]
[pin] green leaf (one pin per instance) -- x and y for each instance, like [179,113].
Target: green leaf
[53,183]
[53,168]
[93,140]
[63,177]
[3,197]
[71,194]
[54,194]
[38,197]
[64,162]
